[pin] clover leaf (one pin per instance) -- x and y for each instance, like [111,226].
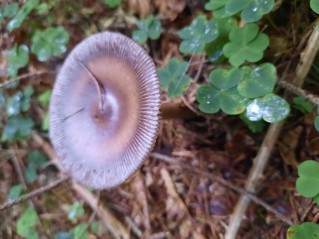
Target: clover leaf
[112,3]
[173,78]
[258,81]
[222,93]
[246,44]
[149,27]
[48,43]
[22,14]
[35,160]
[251,10]
[74,211]
[19,102]
[9,10]
[317,119]
[26,224]
[301,103]
[314,5]
[271,108]
[197,35]
[307,183]
[307,230]
[17,128]
[18,57]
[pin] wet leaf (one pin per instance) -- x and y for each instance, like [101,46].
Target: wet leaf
[258,81]
[18,57]
[314,4]
[74,211]
[9,10]
[270,108]
[197,35]
[173,77]
[225,79]
[17,21]
[246,44]
[307,230]
[149,27]
[17,128]
[307,183]
[15,192]
[19,102]
[208,99]
[50,42]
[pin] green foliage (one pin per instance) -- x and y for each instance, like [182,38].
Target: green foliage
[307,230]
[173,78]
[302,104]
[50,42]
[112,3]
[26,224]
[317,119]
[74,211]
[62,235]
[254,126]
[308,181]
[251,10]
[18,57]
[257,81]
[19,102]
[8,11]
[17,128]
[149,27]
[44,100]
[314,4]
[271,108]
[35,160]
[197,35]
[17,21]
[246,44]
[222,93]
[80,231]
[15,192]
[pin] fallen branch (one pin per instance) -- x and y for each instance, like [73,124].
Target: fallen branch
[25,76]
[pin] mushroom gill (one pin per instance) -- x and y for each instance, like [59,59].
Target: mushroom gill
[104,110]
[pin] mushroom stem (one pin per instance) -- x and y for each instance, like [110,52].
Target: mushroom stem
[99,86]
[175,111]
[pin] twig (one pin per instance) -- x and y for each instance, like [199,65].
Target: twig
[260,162]
[34,193]
[21,77]
[223,182]
[298,91]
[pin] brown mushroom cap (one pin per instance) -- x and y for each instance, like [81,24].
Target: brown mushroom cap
[104,110]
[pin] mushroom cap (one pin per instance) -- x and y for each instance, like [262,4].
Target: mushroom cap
[101,146]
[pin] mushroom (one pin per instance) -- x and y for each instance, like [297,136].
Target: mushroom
[104,110]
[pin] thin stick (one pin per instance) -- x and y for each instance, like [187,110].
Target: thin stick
[21,77]
[260,162]
[34,193]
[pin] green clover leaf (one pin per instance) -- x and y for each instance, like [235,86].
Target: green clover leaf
[9,10]
[149,27]
[314,5]
[197,35]
[173,78]
[48,43]
[26,224]
[221,93]
[112,3]
[317,119]
[74,211]
[307,230]
[18,57]
[270,108]
[19,102]
[251,10]
[246,44]
[307,183]
[258,81]
[301,103]
[17,128]
[17,21]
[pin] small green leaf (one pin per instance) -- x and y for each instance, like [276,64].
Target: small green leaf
[45,122]
[208,99]
[225,79]
[95,227]
[17,21]
[15,192]
[19,102]
[218,6]
[149,27]
[17,128]
[80,231]
[112,3]
[197,35]
[302,104]
[307,230]
[307,183]
[50,42]
[254,126]
[74,211]
[9,10]
[270,108]
[314,5]
[173,77]
[246,44]
[231,102]
[317,123]
[18,57]
[26,224]
[45,97]
[258,81]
